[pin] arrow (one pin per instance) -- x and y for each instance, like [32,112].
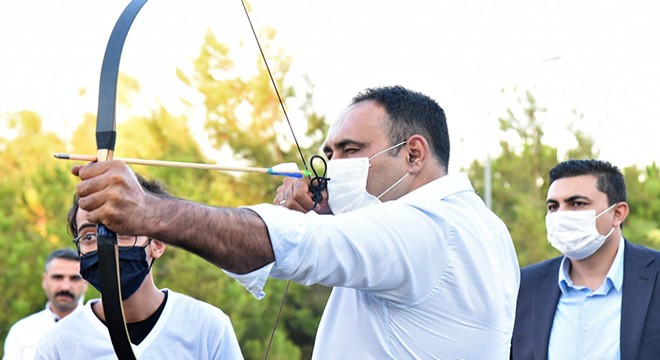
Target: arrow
[289,169]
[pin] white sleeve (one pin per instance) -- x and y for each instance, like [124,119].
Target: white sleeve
[229,348]
[384,249]
[254,281]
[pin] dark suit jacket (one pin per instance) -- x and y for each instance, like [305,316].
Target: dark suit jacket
[640,307]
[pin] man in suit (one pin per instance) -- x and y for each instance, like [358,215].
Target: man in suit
[601,300]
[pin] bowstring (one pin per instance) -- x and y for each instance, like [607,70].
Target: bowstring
[302,157]
[272,80]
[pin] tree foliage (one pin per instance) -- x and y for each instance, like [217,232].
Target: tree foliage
[243,115]
[31,222]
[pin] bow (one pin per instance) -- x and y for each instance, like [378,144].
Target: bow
[105,138]
[106,135]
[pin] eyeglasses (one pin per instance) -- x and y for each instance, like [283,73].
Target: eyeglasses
[86,243]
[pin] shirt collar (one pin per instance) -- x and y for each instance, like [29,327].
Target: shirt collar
[51,313]
[616,270]
[441,187]
[614,275]
[56,318]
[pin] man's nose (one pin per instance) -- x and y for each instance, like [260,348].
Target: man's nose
[66,284]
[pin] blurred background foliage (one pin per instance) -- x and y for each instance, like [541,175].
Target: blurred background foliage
[243,118]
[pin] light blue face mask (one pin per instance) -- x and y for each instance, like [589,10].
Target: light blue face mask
[347,187]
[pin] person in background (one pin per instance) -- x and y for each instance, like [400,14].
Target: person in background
[420,267]
[64,288]
[162,324]
[601,298]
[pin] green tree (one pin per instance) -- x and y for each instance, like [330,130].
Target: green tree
[31,217]
[643,223]
[519,179]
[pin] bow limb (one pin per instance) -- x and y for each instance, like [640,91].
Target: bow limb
[106,135]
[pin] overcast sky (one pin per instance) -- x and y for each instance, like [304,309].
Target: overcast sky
[595,64]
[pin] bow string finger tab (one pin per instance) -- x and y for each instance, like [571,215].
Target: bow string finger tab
[106,135]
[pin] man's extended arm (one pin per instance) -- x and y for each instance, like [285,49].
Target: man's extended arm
[236,240]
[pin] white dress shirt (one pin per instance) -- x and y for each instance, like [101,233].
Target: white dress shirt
[431,275]
[23,336]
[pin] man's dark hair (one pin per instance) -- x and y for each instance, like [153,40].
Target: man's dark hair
[610,179]
[412,113]
[66,254]
[153,187]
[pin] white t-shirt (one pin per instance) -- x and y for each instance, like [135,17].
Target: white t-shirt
[186,329]
[433,274]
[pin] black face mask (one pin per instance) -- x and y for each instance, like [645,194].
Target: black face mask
[133,269]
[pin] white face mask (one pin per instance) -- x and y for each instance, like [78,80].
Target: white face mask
[347,187]
[574,233]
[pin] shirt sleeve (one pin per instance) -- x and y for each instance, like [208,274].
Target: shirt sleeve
[365,249]
[229,348]
[254,281]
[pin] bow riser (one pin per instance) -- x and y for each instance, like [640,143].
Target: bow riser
[106,135]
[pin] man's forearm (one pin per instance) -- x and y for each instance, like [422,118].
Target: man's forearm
[236,240]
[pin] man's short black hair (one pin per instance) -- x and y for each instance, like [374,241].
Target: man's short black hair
[412,113]
[66,254]
[610,179]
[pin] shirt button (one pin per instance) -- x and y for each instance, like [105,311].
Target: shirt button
[586,328]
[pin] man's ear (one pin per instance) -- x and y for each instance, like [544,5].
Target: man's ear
[157,248]
[417,153]
[620,213]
